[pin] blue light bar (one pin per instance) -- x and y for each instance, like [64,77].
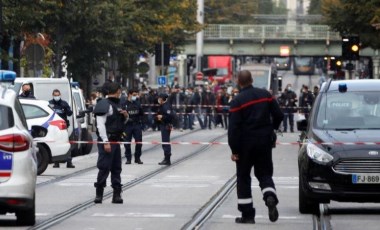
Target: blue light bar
[342,87]
[7,76]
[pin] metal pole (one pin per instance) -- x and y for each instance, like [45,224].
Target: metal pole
[162,59]
[199,45]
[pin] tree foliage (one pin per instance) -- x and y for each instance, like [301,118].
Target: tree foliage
[354,17]
[86,33]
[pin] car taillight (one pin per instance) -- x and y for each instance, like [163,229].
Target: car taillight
[61,124]
[14,143]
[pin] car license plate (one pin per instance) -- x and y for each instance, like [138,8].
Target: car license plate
[363,178]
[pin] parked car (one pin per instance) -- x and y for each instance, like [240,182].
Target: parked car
[42,89]
[334,162]
[55,146]
[18,161]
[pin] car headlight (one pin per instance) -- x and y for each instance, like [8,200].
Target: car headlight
[318,154]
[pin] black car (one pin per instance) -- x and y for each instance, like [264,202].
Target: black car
[340,144]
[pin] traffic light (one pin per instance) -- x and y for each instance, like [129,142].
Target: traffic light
[158,54]
[335,64]
[350,48]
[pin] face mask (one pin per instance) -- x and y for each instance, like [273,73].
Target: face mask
[208,91]
[57,98]
[235,94]
[289,88]
[134,98]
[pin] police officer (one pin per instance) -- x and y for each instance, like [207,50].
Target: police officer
[26,91]
[133,126]
[165,119]
[62,108]
[254,115]
[110,124]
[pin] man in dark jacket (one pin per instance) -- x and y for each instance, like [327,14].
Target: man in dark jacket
[254,115]
[288,105]
[165,119]
[62,108]
[133,125]
[110,124]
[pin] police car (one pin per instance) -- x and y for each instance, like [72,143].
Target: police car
[339,155]
[55,146]
[18,161]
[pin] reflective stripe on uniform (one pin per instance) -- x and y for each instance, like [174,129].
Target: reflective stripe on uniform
[245,201]
[269,189]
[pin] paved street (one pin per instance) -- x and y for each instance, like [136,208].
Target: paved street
[170,198]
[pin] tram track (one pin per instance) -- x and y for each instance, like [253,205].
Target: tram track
[211,206]
[64,215]
[323,220]
[86,170]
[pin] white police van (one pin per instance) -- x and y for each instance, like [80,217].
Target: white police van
[81,106]
[42,89]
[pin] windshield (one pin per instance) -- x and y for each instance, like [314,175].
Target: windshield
[350,110]
[305,61]
[221,72]
[260,78]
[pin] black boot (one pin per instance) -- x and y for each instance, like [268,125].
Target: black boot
[99,195]
[116,198]
[70,165]
[138,161]
[271,202]
[166,161]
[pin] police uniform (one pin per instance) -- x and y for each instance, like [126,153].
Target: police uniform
[165,124]
[133,129]
[62,108]
[110,125]
[254,115]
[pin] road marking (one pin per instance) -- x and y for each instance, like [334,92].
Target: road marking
[135,214]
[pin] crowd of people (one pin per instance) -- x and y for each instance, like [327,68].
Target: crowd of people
[209,105]
[206,104]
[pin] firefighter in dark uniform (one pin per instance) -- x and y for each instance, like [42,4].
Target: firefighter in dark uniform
[133,126]
[254,114]
[165,119]
[110,124]
[62,108]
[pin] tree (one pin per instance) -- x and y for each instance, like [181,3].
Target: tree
[354,17]
[315,7]
[85,33]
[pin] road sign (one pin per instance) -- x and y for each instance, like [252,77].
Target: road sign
[199,76]
[161,80]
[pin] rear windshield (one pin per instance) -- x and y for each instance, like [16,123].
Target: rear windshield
[33,111]
[350,110]
[6,117]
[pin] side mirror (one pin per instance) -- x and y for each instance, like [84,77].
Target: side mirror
[302,125]
[38,131]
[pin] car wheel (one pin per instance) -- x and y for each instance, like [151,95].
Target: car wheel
[306,205]
[27,217]
[86,148]
[42,159]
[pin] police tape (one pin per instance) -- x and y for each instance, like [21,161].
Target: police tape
[209,143]
[182,106]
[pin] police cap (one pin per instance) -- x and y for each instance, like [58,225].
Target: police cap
[164,96]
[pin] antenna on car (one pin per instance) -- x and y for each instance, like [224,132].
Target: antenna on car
[325,89]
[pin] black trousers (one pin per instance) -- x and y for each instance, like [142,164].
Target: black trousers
[109,162]
[258,155]
[133,130]
[165,137]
